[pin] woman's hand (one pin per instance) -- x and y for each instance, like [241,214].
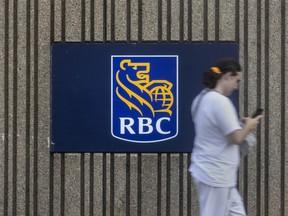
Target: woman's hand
[237,137]
[251,123]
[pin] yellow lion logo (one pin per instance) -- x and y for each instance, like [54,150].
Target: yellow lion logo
[154,94]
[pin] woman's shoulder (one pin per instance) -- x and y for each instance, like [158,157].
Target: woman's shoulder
[216,95]
[218,99]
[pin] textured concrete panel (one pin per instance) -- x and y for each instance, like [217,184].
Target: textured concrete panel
[133,184]
[120,27]
[73,20]
[94,184]
[134,20]
[98,21]
[88,20]
[274,109]
[98,184]
[57,185]
[72,184]
[227,14]
[42,109]
[119,181]
[174,184]
[150,20]
[58,16]
[175,20]
[19,98]
[250,103]
[197,21]
[149,184]
[211,13]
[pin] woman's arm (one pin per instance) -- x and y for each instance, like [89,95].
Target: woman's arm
[238,136]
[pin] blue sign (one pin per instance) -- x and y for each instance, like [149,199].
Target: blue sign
[144,101]
[117,97]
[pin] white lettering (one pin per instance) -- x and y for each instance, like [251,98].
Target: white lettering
[147,125]
[158,126]
[124,126]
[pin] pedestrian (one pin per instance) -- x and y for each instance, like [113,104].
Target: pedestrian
[218,134]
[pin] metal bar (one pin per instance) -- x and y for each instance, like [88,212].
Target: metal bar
[28,98]
[51,158]
[181,184]
[91,191]
[140,21]
[112,21]
[181,162]
[15,113]
[205,37]
[237,20]
[112,183]
[168,184]
[217,20]
[82,157]
[62,185]
[104,21]
[189,20]
[128,175]
[82,184]
[92,17]
[246,88]
[6,109]
[169,20]
[36,108]
[51,185]
[63,20]
[104,183]
[189,182]
[128,30]
[181,21]
[139,185]
[91,168]
[83,20]
[189,192]
[266,117]
[160,29]
[283,104]
[159,184]
[62,166]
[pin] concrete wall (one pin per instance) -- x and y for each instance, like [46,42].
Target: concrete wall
[35,182]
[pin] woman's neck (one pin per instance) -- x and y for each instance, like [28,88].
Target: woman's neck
[220,90]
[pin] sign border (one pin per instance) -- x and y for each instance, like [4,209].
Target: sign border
[177,93]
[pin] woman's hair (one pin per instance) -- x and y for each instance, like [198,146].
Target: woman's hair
[211,76]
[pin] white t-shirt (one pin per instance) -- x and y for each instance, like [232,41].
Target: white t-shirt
[215,161]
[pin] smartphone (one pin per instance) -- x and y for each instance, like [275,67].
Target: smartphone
[258,112]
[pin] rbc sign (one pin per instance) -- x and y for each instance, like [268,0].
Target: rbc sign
[144,99]
[119,97]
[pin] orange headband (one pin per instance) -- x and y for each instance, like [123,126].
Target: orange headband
[216,70]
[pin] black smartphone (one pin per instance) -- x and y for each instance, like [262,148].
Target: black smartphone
[258,112]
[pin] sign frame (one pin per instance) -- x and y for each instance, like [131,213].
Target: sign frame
[81,95]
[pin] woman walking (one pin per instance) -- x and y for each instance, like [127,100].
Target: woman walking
[218,135]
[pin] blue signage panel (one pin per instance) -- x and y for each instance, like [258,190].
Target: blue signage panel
[144,98]
[128,97]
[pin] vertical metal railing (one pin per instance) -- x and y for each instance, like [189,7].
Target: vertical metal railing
[6,109]
[28,106]
[266,104]
[283,106]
